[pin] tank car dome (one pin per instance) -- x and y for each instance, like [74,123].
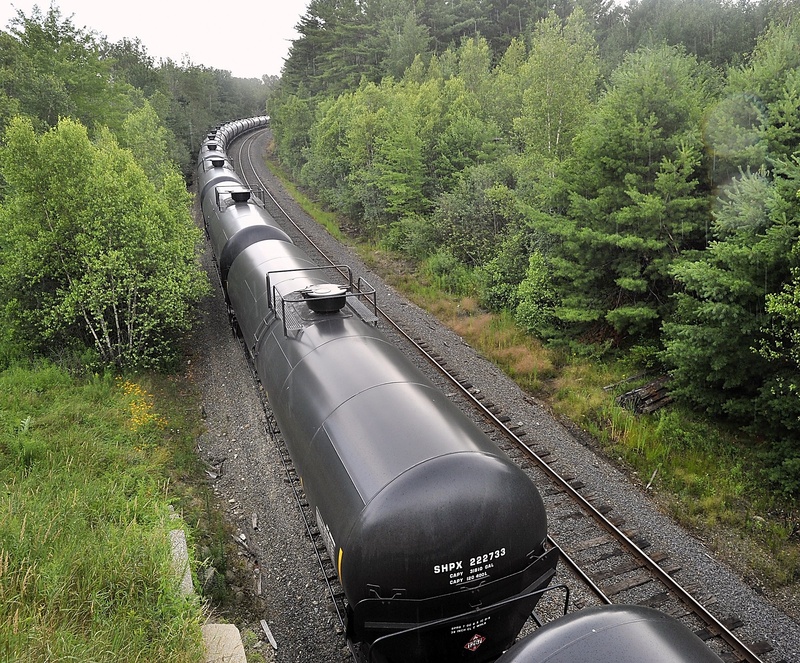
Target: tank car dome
[612,634]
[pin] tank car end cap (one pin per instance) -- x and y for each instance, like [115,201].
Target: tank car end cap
[619,633]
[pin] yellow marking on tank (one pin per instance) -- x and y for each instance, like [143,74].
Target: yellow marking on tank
[341,552]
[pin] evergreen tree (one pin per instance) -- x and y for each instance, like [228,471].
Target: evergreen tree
[338,46]
[730,347]
[711,341]
[406,38]
[783,340]
[719,32]
[637,201]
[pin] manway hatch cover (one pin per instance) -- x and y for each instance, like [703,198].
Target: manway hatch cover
[310,305]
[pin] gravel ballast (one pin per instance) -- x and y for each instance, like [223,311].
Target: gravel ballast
[273,547]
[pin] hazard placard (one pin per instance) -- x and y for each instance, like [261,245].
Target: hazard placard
[474,642]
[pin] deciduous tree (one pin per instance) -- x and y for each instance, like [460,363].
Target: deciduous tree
[58,71]
[92,254]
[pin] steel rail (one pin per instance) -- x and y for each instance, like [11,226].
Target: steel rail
[715,625]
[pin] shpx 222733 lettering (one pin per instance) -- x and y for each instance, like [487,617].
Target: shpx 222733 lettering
[458,565]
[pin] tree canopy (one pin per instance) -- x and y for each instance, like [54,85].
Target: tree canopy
[98,250]
[94,254]
[624,177]
[50,69]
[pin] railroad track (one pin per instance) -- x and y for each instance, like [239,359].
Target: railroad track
[602,560]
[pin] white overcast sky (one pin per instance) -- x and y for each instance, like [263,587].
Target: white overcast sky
[249,38]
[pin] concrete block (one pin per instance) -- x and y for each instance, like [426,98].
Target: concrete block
[180,561]
[223,644]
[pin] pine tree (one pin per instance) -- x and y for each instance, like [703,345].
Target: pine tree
[638,198]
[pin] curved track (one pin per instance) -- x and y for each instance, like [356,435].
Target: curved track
[605,563]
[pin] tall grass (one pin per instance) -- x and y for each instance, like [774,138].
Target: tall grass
[85,559]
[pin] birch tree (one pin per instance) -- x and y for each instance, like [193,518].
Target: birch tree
[91,253]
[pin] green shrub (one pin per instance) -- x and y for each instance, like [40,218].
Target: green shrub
[449,274]
[413,236]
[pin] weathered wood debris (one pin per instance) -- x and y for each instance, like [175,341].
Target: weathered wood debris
[647,398]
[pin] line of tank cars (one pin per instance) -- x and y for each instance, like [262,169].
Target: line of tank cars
[438,539]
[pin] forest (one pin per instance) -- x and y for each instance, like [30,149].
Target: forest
[98,249]
[619,179]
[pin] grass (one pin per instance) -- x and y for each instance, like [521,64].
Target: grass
[87,468]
